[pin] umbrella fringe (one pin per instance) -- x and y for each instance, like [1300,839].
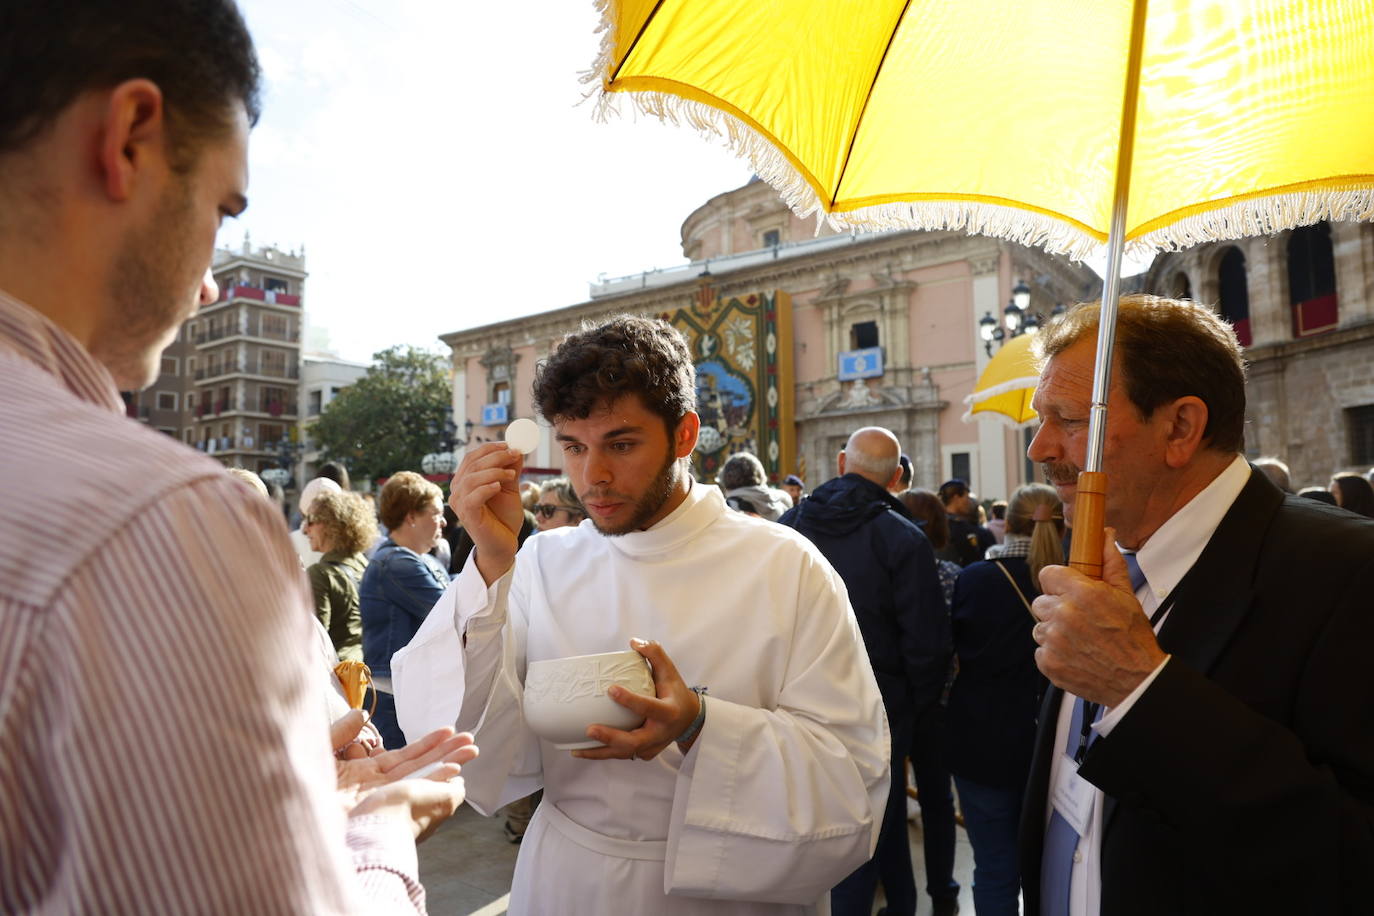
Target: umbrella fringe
[1017,384]
[970,417]
[1259,217]
[1011,223]
[605,55]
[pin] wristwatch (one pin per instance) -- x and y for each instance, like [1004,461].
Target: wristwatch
[700,720]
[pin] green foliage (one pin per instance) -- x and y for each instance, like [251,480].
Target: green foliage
[389,419]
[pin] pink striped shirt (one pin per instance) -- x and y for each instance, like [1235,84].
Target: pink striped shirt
[162,742]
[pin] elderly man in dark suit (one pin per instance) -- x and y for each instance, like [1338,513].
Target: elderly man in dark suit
[1209,746]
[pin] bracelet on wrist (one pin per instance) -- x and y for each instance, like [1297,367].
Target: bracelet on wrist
[695,727]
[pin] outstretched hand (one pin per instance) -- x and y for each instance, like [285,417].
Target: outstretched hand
[485,495]
[377,784]
[440,749]
[666,715]
[1094,639]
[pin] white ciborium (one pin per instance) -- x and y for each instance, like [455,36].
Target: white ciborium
[565,695]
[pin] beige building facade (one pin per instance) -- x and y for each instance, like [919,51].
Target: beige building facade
[1303,304]
[913,298]
[230,382]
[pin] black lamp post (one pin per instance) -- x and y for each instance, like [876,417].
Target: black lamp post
[1017,319]
[445,460]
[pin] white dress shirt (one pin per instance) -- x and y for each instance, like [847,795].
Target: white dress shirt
[1165,559]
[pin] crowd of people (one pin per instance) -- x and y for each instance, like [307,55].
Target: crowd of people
[1189,733]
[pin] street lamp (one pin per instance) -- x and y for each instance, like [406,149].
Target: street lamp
[288,452]
[445,460]
[1017,319]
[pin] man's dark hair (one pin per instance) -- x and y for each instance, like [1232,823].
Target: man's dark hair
[1167,349]
[198,52]
[332,470]
[741,469]
[905,481]
[951,489]
[626,355]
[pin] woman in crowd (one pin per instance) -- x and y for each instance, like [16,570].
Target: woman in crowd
[340,525]
[996,695]
[927,510]
[558,505]
[1353,493]
[400,585]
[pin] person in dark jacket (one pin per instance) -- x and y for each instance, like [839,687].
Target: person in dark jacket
[888,567]
[968,540]
[994,701]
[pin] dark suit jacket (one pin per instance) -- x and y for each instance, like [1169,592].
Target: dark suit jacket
[1242,781]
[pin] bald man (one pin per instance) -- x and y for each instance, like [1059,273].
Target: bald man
[888,567]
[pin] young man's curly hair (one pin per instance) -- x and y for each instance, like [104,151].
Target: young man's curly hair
[626,355]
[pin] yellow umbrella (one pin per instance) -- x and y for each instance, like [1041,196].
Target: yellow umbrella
[1006,118]
[1055,123]
[1007,384]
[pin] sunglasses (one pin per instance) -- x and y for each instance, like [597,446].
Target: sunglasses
[544,510]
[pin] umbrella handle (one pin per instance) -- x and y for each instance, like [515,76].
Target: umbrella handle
[1089,515]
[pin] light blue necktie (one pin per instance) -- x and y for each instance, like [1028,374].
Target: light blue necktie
[1056,863]
[1137,574]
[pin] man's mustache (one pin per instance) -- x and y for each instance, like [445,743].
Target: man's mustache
[1060,472]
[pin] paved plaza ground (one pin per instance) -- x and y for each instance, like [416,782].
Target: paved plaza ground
[467,865]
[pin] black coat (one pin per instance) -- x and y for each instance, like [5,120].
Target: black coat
[1242,780]
[990,724]
[888,568]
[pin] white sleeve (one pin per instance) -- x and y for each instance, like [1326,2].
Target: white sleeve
[493,623]
[780,804]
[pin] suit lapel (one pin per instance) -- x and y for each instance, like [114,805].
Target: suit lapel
[1215,595]
[1218,591]
[1032,828]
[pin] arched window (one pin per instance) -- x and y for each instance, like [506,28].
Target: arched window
[1179,287]
[1312,280]
[1235,294]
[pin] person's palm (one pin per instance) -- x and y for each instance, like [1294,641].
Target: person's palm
[358,776]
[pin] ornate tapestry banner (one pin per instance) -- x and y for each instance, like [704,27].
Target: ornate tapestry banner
[742,348]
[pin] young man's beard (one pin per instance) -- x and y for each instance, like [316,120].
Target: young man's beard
[648,504]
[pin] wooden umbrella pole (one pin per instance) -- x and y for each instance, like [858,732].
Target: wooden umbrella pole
[1090,496]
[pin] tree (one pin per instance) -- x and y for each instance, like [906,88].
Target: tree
[389,419]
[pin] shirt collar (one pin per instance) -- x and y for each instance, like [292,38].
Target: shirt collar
[38,340]
[1173,549]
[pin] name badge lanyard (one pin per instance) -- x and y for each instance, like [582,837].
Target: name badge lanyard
[1090,709]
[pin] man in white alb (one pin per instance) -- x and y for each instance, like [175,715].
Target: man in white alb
[755,798]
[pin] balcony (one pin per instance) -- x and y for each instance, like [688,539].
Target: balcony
[256,294]
[240,367]
[272,406]
[247,328]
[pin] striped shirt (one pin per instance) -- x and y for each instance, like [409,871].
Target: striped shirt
[162,746]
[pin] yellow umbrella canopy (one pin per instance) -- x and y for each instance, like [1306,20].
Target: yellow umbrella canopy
[1006,119]
[1007,384]
[1055,123]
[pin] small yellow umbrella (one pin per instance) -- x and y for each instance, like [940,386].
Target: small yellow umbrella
[1005,388]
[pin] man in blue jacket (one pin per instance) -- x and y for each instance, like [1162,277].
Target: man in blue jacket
[888,567]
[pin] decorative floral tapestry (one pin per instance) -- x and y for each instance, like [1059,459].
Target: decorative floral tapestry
[742,347]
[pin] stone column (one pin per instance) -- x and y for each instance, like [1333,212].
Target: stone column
[1351,245]
[460,398]
[992,463]
[1265,266]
